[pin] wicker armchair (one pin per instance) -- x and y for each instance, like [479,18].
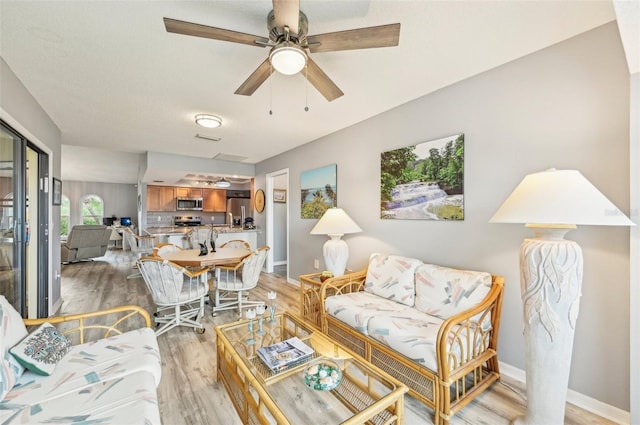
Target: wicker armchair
[464,369]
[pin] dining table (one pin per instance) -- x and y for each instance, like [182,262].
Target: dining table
[221,257]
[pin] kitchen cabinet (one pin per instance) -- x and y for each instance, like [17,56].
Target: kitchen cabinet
[214,200]
[161,198]
[188,192]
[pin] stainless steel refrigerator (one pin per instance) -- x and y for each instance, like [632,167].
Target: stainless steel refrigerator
[237,210]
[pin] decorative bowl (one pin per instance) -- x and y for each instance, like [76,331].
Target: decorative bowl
[322,375]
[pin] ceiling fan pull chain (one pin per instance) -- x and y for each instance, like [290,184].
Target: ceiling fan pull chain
[306,88]
[271,91]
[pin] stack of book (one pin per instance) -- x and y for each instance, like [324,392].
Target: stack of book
[284,354]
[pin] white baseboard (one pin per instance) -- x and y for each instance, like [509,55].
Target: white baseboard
[582,401]
[280,263]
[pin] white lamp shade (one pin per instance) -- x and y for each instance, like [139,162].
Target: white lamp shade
[288,60]
[335,222]
[559,197]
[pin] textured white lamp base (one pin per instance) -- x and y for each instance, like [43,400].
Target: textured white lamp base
[336,254]
[551,281]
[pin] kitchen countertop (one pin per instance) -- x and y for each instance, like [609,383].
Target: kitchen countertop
[176,230]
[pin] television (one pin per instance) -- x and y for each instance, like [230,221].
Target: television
[108,221]
[125,221]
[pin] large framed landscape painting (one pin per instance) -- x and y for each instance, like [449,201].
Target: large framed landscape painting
[424,182]
[319,191]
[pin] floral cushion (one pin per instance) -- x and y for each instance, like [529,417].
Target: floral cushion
[413,334]
[12,330]
[129,399]
[409,332]
[41,350]
[392,277]
[445,292]
[355,309]
[107,359]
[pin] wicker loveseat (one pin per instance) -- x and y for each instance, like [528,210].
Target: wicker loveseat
[433,328]
[112,379]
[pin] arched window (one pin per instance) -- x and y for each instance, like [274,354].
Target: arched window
[92,209]
[65,215]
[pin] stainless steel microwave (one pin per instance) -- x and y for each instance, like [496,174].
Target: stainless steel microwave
[189,204]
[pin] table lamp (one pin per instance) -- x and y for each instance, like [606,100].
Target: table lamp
[335,223]
[552,203]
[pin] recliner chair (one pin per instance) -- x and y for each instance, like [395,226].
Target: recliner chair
[85,241]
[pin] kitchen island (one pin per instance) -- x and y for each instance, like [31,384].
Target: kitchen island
[178,235]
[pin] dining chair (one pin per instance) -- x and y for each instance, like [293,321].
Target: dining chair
[164,248]
[139,245]
[199,235]
[177,293]
[233,283]
[236,243]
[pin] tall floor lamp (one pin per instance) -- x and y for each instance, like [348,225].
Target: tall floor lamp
[552,203]
[335,223]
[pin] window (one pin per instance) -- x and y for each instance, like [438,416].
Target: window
[65,216]
[92,209]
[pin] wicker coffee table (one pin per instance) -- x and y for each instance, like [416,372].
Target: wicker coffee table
[366,394]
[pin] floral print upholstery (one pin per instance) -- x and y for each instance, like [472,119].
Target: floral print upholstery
[392,277]
[12,331]
[445,292]
[386,311]
[102,360]
[357,308]
[111,380]
[410,332]
[130,399]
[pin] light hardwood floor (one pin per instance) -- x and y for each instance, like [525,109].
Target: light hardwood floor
[189,392]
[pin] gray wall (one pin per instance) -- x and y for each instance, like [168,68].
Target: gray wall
[119,199]
[566,107]
[23,112]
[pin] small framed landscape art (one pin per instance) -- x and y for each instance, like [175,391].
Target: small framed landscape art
[319,191]
[424,181]
[280,195]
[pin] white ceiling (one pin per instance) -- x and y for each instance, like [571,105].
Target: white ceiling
[118,85]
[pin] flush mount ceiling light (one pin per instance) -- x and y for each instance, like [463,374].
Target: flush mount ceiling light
[222,183]
[209,121]
[288,58]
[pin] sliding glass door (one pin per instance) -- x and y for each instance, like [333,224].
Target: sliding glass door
[24,224]
[12,206]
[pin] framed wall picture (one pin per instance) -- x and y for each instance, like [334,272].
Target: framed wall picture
[280,195]
[319,191]
[424,181]
[56,193]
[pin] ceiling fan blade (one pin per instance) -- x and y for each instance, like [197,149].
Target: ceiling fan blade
[361,38]
[321,82]
[287,12]
[254,81]
[198,30]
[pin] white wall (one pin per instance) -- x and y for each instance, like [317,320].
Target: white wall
[566,107]
[119,199]
[634,287]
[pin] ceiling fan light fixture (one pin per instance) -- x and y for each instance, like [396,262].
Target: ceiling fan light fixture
[288,58]
[222,183]
[209,121]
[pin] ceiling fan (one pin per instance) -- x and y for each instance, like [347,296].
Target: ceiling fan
[291,46]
